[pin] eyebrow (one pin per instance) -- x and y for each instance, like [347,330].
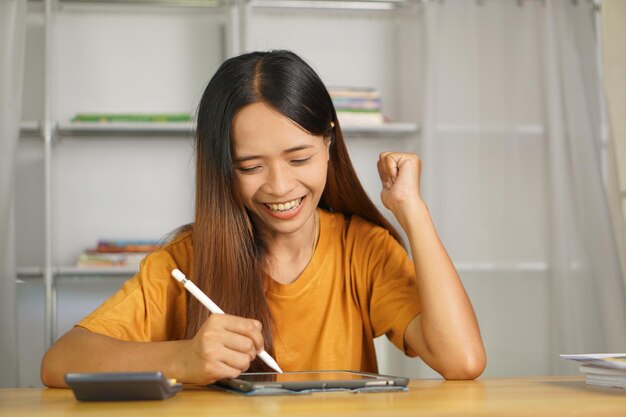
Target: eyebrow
[286,151]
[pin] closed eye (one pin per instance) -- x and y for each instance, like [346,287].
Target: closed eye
[249,170]
[301,161]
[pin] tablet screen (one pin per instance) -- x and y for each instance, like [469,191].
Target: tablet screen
[305,376]
[268,382]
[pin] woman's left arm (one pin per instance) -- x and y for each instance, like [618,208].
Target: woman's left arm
[445,334]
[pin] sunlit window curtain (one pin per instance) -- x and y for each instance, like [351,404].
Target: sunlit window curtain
[513,176]
[588,293]
[12,43]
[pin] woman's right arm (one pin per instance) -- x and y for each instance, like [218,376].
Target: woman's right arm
[223,348]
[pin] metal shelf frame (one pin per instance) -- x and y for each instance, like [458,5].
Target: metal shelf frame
[236,17]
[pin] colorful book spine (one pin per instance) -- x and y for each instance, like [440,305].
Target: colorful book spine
[110,260]
[112,253]
[357,106]
[114,246]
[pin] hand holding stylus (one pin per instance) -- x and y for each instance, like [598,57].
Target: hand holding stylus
[234,325]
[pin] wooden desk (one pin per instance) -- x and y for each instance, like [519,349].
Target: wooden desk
[542,396]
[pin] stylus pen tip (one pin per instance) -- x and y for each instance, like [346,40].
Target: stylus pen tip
[265,357]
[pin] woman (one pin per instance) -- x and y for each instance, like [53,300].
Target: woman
[285,241]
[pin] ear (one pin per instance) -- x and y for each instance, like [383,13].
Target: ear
[327,142]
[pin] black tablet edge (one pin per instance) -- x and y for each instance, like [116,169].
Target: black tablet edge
[97,386]
[87,377]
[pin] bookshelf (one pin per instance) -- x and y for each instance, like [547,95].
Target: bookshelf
[91,75]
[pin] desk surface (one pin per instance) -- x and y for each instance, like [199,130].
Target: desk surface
[541,396]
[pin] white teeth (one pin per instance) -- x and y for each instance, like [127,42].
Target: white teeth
[289,205]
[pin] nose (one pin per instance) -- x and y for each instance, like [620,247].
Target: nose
[279,181]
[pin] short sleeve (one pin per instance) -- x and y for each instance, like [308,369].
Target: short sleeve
[391,284]
[149,307]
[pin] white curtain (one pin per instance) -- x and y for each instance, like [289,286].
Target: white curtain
[514,179]
[12,44]
[585,258]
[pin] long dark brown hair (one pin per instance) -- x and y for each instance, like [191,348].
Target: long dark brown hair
[229,257]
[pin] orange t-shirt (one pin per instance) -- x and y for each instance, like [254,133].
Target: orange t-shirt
[359,284]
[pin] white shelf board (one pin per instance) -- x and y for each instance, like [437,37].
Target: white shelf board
[279,4]
[383,130]
[125,129]
[73,271]
[94,271]
[491,129]
[67,271]
[187,129]
[29,271]
[330,4]
[502,267]
[165,3]
[30,128]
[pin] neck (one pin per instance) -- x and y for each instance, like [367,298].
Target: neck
[295,245]
[289,254]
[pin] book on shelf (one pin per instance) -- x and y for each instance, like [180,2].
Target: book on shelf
[356,119]
[93,259]
[132,118]
[357,106]
[604,369]
[127,245]
[117,253]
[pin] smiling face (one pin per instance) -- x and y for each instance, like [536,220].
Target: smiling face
[280,168]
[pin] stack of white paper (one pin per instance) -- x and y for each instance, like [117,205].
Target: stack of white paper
[606,369]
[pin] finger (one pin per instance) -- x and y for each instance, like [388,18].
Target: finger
[387,176]
[412,162]
[381,173]
[223,370]
[236,360]
[390,165]
[242,344]
[245,327]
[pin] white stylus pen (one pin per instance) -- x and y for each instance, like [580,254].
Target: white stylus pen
[213,308]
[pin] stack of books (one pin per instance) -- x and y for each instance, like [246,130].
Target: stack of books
[605,369]
[357,106]
[117,253]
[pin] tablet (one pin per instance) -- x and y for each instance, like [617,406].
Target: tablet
[312,380]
